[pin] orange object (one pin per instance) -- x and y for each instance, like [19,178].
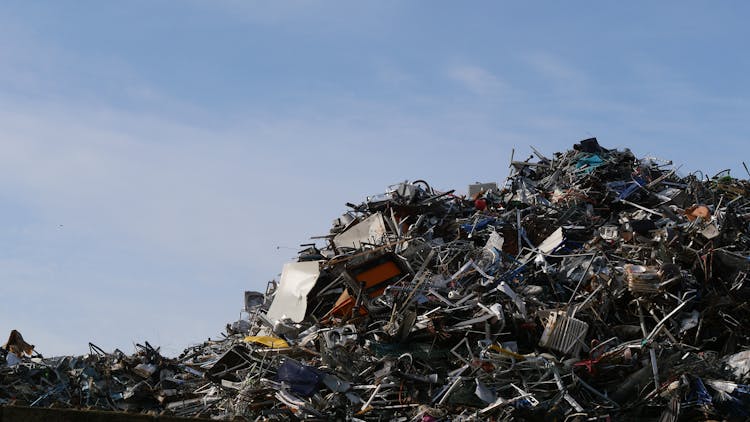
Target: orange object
[698,211]
[375,278]
[379,274]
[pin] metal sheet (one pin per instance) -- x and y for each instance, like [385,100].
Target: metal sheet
[290,301]
[552,241]
[370,230]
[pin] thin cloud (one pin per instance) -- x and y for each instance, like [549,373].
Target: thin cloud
[554,69]
[477,79]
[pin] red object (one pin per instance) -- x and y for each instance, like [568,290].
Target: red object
[480,204]
[589,364]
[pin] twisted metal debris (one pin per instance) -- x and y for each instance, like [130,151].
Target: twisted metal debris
[590,285]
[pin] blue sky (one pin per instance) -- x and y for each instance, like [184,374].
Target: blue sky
[161,157]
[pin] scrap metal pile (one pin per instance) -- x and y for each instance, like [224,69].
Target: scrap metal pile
[591,285]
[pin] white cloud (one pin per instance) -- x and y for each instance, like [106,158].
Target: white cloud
[392,74]
[477,79]
[554,69]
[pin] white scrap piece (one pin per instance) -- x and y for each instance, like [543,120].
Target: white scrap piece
[290,300]
[370,230]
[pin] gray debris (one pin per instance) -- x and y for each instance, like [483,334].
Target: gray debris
[590,285]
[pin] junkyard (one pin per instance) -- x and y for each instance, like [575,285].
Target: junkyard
[588,285]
